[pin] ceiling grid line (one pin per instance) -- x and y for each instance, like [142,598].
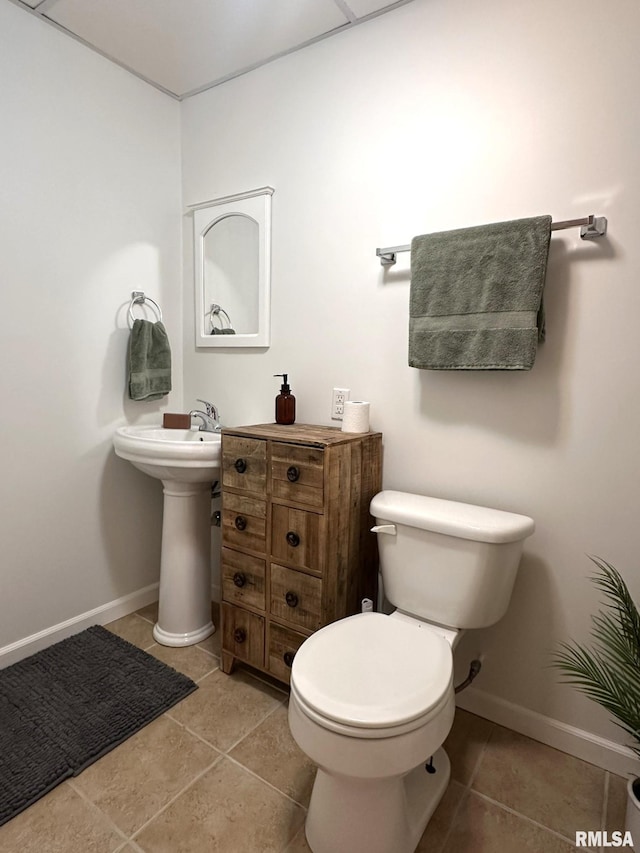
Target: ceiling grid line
[183,49]
[346,11]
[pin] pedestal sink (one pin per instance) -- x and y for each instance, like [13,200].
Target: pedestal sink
[187,461]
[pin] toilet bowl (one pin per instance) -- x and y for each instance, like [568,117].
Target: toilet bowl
[370,724]
[372,697]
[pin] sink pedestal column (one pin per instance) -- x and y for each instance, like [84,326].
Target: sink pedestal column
[184,616]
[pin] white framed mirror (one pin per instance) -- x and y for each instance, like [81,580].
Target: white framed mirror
[232,246]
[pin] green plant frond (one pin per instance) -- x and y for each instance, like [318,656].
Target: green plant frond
[592,665]
[612,623]
[614,641]
[609,672]
[619,665]
[625,717]
[596,678]
[582,664]
[619,599]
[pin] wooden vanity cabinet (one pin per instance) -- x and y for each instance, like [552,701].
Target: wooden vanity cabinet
[297,551]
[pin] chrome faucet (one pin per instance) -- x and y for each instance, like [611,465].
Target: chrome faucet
[210,419]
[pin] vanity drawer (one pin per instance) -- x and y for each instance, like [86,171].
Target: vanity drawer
[243,634]
[302,555]
[297,474]
[244,464]
[244,522]
[297,537]
[283,645]
[243,578]
[296,597]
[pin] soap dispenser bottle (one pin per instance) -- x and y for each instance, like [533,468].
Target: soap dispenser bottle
[285,403]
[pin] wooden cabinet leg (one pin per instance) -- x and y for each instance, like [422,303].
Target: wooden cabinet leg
[227,662]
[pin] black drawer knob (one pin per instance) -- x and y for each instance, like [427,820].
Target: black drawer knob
[293,474]
[240,635]
[288,657]
[239,579]
[293,539]
[240,522]
[292,599]
[240,465]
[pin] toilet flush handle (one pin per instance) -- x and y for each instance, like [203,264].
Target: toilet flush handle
[384,528]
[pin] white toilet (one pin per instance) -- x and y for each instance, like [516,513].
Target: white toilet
[372,697]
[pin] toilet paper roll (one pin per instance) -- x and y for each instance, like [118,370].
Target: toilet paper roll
[356,416]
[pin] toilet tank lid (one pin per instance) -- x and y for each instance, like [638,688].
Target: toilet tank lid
[464,521]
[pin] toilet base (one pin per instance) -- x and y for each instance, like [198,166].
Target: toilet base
[374,815]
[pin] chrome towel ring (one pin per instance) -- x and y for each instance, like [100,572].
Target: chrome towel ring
[219,312]
[138,298]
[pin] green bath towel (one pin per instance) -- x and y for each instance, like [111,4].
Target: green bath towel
[149,361]
[476,296]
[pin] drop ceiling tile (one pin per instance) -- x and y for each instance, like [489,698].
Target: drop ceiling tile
[31,3]
[183,45]
[360,8]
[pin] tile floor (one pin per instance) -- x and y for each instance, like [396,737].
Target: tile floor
[219,773]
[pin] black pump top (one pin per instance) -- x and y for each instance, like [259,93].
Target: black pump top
[284,388]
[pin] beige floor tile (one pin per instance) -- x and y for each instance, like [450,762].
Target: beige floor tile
[438,827]
[226,810]
[483,827]
[61,822]
[133,629]
[131,783]
[277,683]
[271,752]
[557,790]
[465,744]
[213,644]
[182,796]
[299,844]
[616,803]
[150,612]
[190,660]
[266,678]
[226,707]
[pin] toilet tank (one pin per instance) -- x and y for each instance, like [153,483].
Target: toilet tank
[448,562]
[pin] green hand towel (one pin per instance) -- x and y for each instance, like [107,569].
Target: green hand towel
[149,361]
[476,296]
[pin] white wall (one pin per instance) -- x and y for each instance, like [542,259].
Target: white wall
[89,211]
[438,115]
[442,114]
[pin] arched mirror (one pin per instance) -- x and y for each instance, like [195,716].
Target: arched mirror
[232,238]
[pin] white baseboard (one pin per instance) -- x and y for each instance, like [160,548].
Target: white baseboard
[577,742]
[99,616]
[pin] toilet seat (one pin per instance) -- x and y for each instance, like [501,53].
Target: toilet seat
[373,676]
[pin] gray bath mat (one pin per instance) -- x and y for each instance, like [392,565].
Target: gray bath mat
[66,706]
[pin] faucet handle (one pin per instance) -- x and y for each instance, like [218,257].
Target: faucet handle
[209,407]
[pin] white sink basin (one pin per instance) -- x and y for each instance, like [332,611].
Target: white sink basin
[187,461]
[184,455]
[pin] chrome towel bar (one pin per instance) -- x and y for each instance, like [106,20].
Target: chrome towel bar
[591,227]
